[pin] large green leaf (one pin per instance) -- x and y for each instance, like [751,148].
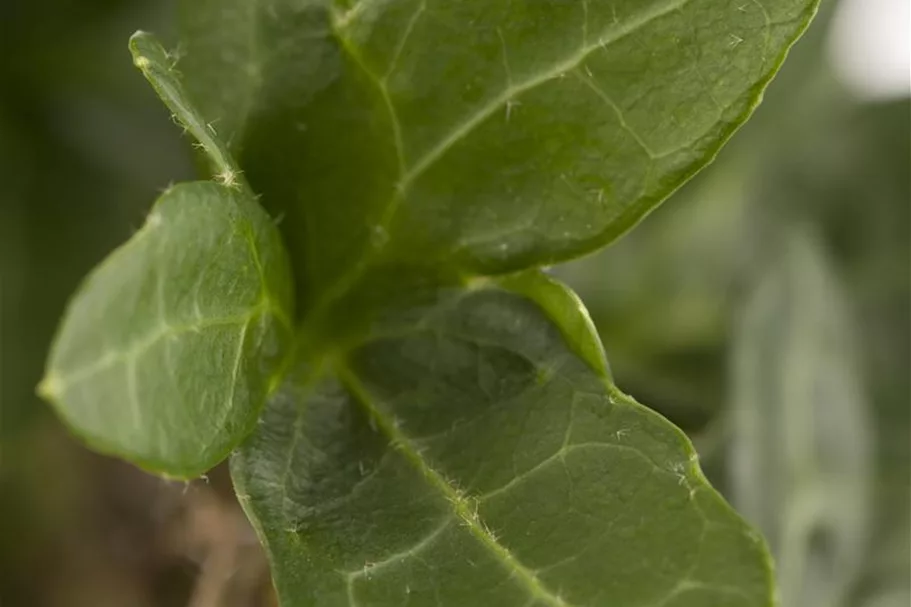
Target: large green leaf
[168,349]
[473,136]
[469,453]
[801,446]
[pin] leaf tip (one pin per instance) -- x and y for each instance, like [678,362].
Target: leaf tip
[137,40]
[49,388]
[146,51]
[138,35]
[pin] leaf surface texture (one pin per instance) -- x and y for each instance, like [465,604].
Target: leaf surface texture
[466,454]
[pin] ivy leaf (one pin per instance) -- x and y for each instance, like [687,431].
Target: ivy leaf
[168,349]
[801,444]
[469,453]
[474,137]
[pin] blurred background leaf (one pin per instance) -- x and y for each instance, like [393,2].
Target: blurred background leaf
[799,429]
[85,148]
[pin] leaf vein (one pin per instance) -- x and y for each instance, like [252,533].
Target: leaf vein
[463,507]
[412,22]
[383,90]
[612,35]
[557,456]
[60,381]
[402,555]
[590,83]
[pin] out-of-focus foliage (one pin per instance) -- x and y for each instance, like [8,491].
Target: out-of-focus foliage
[799,430]
[665,298]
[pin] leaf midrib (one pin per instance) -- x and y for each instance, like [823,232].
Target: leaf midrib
[463,507]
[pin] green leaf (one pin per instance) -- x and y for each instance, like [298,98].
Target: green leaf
[473,137]
[801,445]
[469,453]
[167,351]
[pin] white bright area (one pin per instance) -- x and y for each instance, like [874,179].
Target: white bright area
[870,47]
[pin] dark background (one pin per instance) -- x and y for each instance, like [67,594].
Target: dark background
[85,147]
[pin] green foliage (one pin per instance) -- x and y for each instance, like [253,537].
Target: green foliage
[433,432]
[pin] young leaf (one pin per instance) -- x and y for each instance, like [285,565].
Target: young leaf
[165,354]
[475,456]
[167,351]
[801,445]
[480,136]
